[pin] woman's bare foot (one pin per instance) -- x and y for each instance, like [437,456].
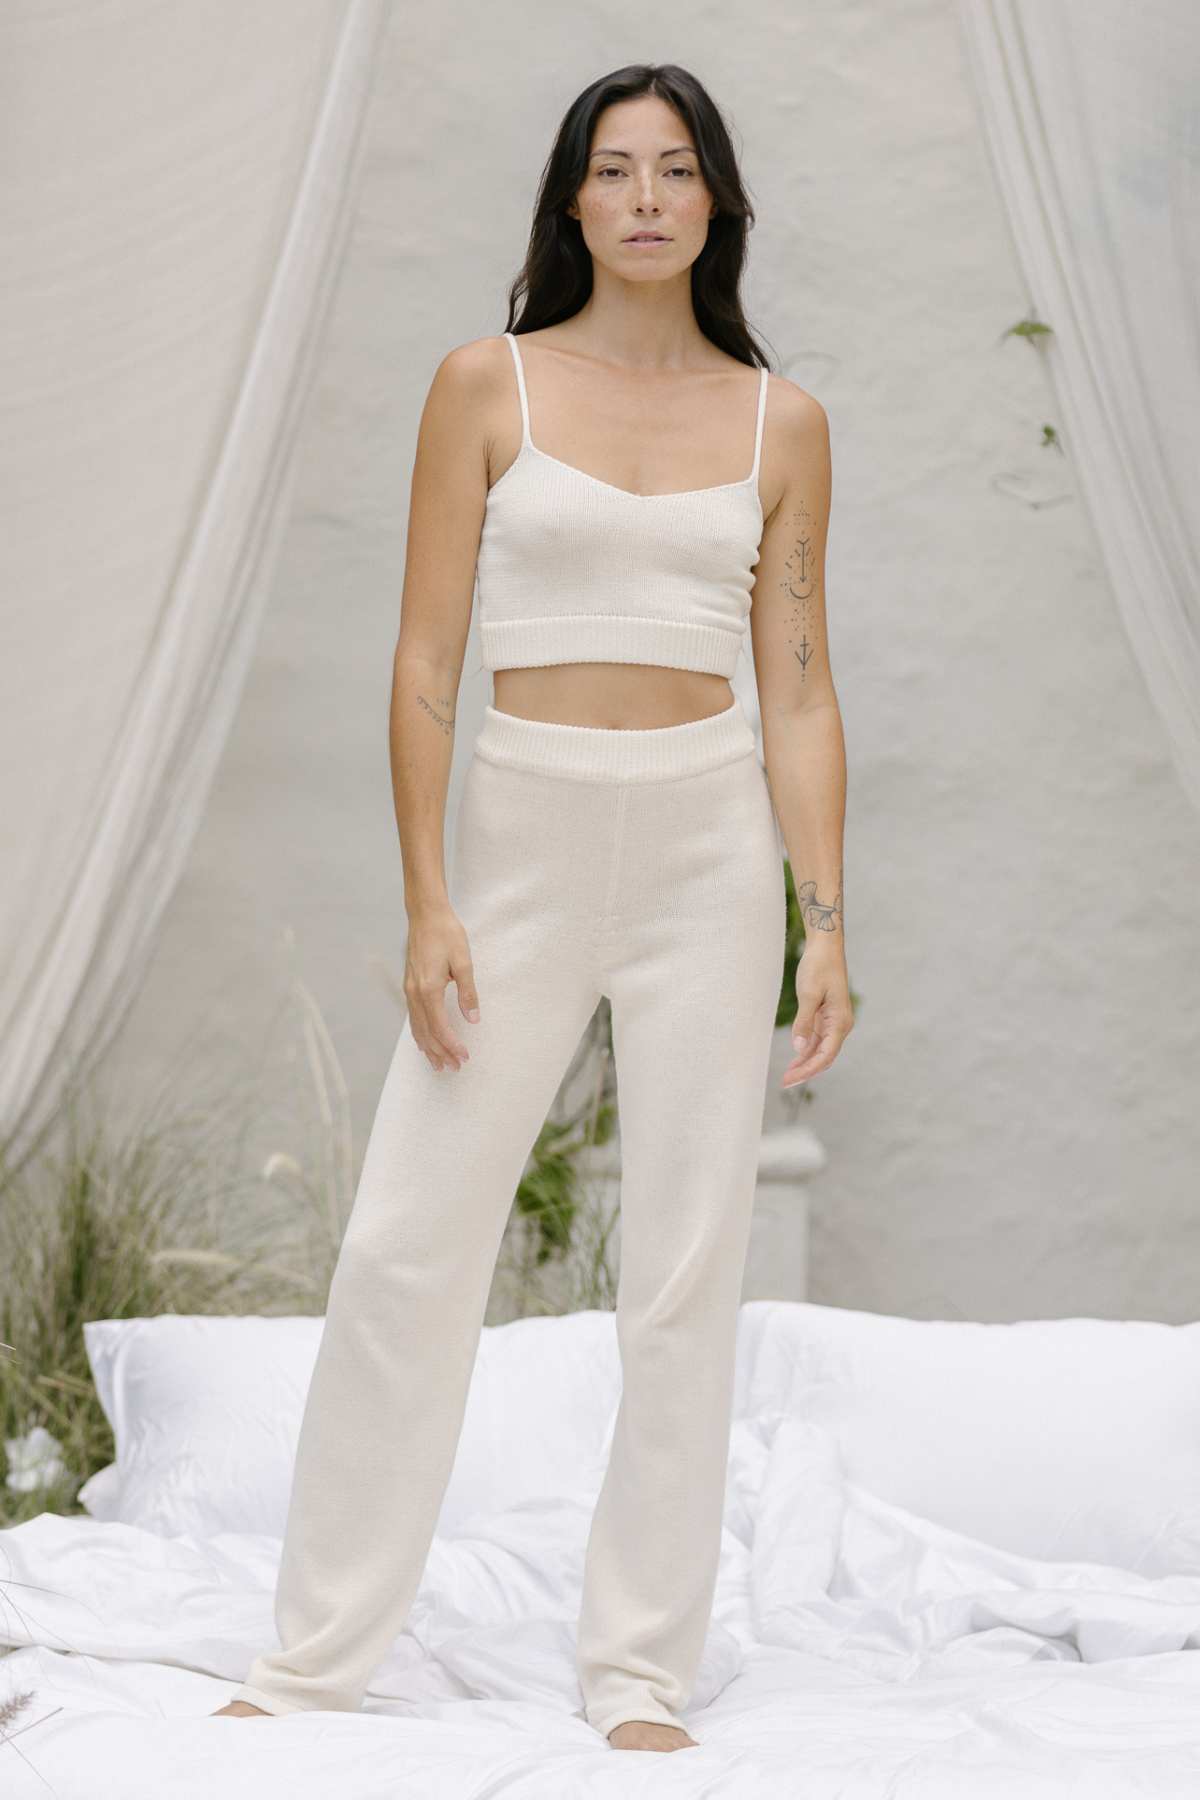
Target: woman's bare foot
[648,1734]
[242,1709]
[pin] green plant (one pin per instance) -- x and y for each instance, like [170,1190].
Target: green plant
[556,1255]
[549,1191]
[794,935]
[166,1214]
[100,1229]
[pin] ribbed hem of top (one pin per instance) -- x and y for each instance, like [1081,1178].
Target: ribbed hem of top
[604,753]
[609,637]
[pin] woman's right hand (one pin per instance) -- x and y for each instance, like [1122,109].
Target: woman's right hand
[438,952]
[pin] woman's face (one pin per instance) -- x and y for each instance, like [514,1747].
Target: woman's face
[643,176]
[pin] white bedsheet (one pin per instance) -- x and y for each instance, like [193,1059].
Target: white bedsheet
[857,1651]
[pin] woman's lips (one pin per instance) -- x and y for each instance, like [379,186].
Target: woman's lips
[643,243]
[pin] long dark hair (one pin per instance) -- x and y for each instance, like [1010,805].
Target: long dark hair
[556,278]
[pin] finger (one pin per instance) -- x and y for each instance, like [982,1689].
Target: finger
[463,975]
[808,1050]
[445,1038]
[421,1033]
[819,1057]
[797,1075]
[806,1040]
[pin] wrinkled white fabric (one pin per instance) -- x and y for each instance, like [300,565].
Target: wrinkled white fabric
[1089,109]
[178,184]
[855,1648]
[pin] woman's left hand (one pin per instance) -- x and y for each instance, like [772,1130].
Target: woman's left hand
[824,1016]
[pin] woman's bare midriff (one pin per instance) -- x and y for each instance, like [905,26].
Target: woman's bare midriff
[617,696]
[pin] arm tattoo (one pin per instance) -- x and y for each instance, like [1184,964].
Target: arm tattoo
[816,914]
[797,585]
[444,700]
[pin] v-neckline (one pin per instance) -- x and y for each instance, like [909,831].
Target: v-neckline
[720,487]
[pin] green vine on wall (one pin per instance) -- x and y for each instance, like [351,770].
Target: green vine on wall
[1034,331]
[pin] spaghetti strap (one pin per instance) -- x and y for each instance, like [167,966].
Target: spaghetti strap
[758,428]
[520,367]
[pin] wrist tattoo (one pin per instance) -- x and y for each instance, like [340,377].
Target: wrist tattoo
[446,722]
[817,915]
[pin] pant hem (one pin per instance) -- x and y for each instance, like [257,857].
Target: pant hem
[647,1711]
[269,1702]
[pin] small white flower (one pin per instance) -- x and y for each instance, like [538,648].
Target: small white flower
[34,1460]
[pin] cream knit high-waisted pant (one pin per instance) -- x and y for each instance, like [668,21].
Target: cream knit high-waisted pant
[641,864]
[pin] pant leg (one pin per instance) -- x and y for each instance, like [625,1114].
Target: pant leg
[406,1303]
[697,946]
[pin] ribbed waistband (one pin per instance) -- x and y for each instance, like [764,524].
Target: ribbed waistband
[604,753]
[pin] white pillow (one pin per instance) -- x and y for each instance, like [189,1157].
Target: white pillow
[1076,1439]
[206,1411]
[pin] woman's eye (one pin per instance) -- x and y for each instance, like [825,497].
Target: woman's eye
[680,169]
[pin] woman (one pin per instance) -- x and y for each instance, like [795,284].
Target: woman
[617,835]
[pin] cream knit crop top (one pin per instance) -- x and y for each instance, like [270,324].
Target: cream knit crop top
[573,569]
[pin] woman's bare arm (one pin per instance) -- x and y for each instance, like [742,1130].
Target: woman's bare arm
[803,745]
[448,496]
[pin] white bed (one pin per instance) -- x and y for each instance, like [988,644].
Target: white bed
[960,1562]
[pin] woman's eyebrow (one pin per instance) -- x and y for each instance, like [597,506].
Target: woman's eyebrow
[672,152]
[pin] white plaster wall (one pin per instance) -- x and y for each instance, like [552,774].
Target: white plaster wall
[1012,1128]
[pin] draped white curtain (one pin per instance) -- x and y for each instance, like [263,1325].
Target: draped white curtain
[1091,111]
[177,189]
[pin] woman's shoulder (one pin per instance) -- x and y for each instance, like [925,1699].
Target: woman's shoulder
[472,373]
[474,359]
[793,407]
